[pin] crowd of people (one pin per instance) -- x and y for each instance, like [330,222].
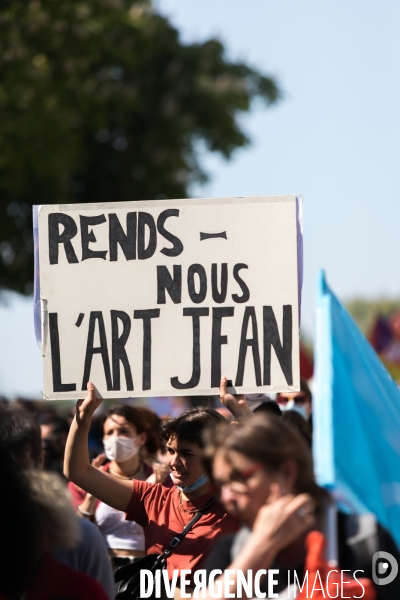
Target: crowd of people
[221,492]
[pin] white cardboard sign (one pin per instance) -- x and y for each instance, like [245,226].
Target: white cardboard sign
[163,297]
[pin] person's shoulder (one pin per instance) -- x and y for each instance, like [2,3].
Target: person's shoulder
[155,490]
[89,531]
[90,542]
[147,498]
[84,586]
[68,581]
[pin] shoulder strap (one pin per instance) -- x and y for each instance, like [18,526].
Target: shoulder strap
[179,537]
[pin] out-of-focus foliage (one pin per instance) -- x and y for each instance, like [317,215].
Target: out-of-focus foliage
[364,312]
[394,370]
[101,101]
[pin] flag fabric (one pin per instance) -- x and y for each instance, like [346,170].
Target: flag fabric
[356,418]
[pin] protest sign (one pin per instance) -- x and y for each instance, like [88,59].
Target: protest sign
[163,297]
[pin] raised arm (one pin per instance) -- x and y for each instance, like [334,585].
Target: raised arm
[77,468]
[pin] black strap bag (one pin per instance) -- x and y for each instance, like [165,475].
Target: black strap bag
[129,575]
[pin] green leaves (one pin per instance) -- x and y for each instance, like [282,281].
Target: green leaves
[100,101]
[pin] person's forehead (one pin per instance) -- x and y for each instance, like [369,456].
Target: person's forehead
[228,461]
[291,395]
[177,444]
[46,430]
[221,468]
[117,421]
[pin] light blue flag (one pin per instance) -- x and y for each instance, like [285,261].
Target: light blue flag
[356,418]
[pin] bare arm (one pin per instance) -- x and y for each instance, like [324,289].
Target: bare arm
[114,492]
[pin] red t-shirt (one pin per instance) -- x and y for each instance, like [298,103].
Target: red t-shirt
[157,510]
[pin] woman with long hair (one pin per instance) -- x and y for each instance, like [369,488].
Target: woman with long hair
[263,470]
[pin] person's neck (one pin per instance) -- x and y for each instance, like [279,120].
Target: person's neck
[206,487]
[126,468]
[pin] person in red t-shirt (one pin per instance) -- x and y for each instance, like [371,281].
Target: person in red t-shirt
[162,512]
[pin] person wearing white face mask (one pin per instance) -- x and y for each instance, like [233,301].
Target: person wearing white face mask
[125,433]
[120,449]
[297,401]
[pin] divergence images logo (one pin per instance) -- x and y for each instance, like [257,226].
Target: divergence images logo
[384,568]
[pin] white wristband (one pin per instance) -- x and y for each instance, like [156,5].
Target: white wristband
[84,513]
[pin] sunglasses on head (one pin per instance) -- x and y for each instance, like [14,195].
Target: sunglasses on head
[299,399]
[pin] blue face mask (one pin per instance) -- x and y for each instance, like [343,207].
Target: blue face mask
[193,486]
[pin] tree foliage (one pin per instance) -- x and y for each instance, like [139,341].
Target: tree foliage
[101,101]
[365,312]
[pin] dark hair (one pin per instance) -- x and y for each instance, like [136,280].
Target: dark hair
[19,432]
[138,419]
[20,529]
[153,422]
[269,406]
[190,425]
[271,441]
[59,424]
[303,425]
[305,389]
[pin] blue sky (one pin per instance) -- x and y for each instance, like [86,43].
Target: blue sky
[333,138]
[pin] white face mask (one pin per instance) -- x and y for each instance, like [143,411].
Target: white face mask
[299,408]
[120,448]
